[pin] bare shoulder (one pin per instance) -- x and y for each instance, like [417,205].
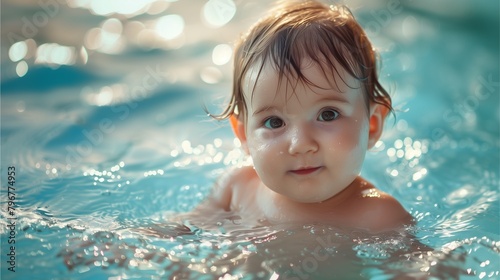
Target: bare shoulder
[379,211]
[224,187]
[217,204]
[242,173]
[235,177]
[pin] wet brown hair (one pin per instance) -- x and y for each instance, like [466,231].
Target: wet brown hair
[297,30]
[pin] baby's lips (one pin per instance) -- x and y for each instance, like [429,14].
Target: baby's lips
[305,170]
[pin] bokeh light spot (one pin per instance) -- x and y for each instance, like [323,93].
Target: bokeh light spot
[219,12]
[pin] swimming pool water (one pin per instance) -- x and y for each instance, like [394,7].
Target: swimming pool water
[101,116]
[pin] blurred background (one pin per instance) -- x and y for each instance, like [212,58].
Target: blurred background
[62,59]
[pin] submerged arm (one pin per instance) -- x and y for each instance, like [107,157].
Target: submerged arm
[216,204]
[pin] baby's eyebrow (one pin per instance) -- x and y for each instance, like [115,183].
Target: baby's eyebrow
[264,109]
[334,97]
[327,98]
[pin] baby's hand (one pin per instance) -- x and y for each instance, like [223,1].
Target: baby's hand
[164,230]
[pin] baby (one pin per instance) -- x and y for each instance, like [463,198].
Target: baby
[306,106]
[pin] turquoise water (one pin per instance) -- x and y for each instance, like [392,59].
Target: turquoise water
[101,117]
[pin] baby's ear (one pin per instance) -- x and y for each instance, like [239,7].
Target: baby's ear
[378,113]
[238,127]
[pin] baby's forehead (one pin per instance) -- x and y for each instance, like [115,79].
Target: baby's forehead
[319,77]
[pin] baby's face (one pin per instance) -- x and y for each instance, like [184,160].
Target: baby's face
[307,143]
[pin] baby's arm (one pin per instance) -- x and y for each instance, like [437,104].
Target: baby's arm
[221,193]
[215,206]
[230,188]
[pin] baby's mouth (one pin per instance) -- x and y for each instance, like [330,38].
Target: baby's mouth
[305,170]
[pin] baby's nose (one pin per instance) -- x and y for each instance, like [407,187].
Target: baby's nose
[302,140]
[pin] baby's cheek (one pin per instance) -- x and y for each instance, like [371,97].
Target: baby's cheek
[354,137]
[262,142]
[259,148]
[343,142]
[350,149]
[265,156]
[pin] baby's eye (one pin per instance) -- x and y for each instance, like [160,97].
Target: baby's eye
[273,123]
[328,115]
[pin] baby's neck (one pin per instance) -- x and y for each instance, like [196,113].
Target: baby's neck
[279,208]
